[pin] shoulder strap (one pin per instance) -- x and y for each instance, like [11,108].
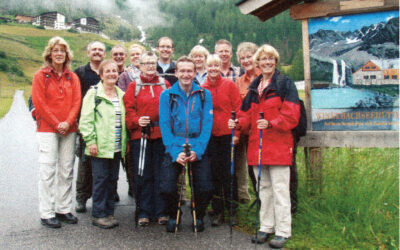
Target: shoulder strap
[138,87]
[202,96]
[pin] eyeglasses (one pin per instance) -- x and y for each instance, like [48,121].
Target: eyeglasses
[119,54]
[148,63]
[60,51]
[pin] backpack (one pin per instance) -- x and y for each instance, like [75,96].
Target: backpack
[172,98]
[301,128]
[31,107]
[140,84]
[97,101]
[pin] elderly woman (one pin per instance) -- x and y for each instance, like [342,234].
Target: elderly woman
[132,72]
[102,125]
[141,103]
[226,98]
[276,96]
[244,53]
[199,55]
[56,95]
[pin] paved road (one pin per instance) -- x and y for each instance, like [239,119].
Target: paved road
[19,217]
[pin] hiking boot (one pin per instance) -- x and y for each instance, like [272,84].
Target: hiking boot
[116,197]
[51,222]
[171,225]
[163,220]
[217,220]
[67,218]
[103,222]
[80,206]
[278,241]
[261,238]
[113,220]
[143,222]
[199,225]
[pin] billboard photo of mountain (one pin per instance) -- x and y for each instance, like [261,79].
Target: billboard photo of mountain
[355,71]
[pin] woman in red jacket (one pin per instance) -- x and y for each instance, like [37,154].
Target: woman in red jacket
[141,103]
[56,95]
[276,96]
[226,98]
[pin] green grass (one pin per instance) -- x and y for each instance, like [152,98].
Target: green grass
[357,208]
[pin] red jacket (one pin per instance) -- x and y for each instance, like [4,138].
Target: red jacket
[56,99]
[144,105]
[280,104]
[226,98]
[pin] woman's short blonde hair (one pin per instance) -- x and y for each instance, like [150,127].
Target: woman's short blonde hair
[105,63]
[214,58]
[246,47]
[50,45]
[136,45]
[199,50]
[267,50]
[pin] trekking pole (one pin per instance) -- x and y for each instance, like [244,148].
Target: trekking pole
[233,117]
[142,155]
[258,180]
[189,166]
[178,213]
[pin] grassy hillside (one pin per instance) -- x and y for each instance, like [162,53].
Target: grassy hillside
[21,47]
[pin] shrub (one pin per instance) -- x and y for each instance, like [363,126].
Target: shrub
[3,54]
[3,66]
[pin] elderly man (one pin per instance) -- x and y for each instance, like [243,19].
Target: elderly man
[165,66]
[88,75]
[223,48]
[118,54]
[186,117]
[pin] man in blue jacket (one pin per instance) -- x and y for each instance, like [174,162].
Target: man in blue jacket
[186,116]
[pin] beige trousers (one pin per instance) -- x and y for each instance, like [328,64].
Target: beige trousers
[241,170]
[56,165]
[275,213]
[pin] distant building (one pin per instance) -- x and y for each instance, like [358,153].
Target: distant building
[378,72]
[86,24]
[5,19]
[23,19]
[51,20]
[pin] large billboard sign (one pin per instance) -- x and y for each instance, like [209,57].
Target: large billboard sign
[355,72]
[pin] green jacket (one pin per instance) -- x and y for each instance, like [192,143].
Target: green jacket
[99,128]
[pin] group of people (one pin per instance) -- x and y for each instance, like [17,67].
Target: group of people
[159,117]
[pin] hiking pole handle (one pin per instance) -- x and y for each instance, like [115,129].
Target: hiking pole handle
[261,115]
[233,115]
[186,148]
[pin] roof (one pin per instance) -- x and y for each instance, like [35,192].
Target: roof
[299,10]
[265,9]
[387,64]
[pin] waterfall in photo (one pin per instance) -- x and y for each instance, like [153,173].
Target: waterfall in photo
[142,34]
[335,74]
[342,82]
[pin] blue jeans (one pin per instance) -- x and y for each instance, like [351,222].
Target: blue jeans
[202,184]
[147,187]
[105,176]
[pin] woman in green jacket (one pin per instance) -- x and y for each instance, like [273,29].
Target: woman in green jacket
[102,125]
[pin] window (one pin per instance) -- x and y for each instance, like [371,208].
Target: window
[394,76]
[373,67]
[366,77]
[367,67]
[386,77]
[373,77]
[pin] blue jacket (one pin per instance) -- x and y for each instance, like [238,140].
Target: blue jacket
[184,119]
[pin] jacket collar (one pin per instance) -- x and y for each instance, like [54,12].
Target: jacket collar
[208,83]
[272,86]
[176,89]
[51,71]
[101,93]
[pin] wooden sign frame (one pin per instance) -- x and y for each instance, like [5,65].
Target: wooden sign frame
[379,138]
